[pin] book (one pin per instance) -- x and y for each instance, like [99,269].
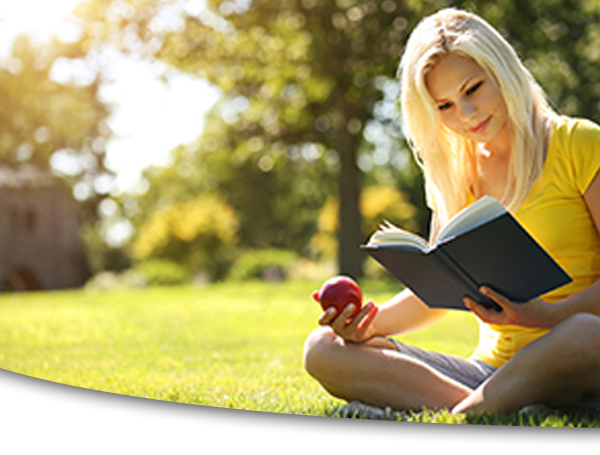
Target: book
[483,244]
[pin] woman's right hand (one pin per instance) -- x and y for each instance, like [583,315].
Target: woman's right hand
[357,329]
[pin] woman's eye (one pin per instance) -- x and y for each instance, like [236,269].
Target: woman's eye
[474,88]
[443,107]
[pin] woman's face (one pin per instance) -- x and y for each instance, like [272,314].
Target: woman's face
[469,101]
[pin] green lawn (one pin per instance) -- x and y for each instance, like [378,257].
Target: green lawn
[226,345]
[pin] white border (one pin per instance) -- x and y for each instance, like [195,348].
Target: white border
[38,416]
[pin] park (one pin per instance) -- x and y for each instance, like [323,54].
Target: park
[193,284]
[227,345]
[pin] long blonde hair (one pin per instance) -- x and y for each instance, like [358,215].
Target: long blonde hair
[447,158]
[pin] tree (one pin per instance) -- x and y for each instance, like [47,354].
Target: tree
[302,71]
[559,41]
[378,203]
[56,126]
[55,123]
[308,73]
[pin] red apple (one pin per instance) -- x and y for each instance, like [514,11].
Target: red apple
[338,292]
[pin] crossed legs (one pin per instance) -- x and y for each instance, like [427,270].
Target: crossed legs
[557,369]
[376,373]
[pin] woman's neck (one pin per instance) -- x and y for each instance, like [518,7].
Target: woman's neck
[498,146]
[491,164]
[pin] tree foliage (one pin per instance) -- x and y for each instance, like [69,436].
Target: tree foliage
[308,104]
[56,124]
[305,71]
[298,79]
[377,203]
[559,41]
[59,127]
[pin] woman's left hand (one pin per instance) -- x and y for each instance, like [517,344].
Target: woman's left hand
[534,313]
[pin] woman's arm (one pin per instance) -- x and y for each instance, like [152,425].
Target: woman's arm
[405,313]
[401,314]
[537,313]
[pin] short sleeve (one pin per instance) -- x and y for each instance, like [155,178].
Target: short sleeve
[584,151]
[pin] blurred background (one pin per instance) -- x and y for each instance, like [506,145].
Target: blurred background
[193,141]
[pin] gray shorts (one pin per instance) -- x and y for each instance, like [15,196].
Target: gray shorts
[469,372]
[472,372]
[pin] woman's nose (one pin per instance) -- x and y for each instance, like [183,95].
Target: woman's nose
[467,110]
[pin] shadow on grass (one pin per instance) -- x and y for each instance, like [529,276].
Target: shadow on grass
[549,418]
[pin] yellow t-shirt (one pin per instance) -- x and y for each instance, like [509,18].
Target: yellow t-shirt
[556,215]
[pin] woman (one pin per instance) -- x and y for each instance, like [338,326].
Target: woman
[480,125]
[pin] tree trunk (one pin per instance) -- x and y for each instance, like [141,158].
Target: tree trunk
[350,235]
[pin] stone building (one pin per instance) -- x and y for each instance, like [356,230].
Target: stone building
[40,247]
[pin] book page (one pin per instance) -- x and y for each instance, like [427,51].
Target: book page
[479,212]
[390,235]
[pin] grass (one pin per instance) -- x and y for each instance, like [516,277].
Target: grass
[227,345]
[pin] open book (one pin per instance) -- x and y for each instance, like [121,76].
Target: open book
[481,245]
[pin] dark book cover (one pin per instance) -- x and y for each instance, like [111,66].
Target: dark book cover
[500,254]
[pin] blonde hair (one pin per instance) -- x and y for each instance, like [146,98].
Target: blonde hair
[447,158]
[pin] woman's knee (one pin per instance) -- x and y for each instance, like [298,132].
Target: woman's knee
[574,358]
[317,349]
[581,326]
[579,336]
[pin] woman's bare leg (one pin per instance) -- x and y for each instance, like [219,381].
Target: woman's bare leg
[376,373]
[557,369]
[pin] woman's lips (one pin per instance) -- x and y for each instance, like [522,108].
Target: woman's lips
[481,127]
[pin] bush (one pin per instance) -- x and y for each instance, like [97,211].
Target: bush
[376,204]
[162,272]
[115,280]
[200,234]
[267,264]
